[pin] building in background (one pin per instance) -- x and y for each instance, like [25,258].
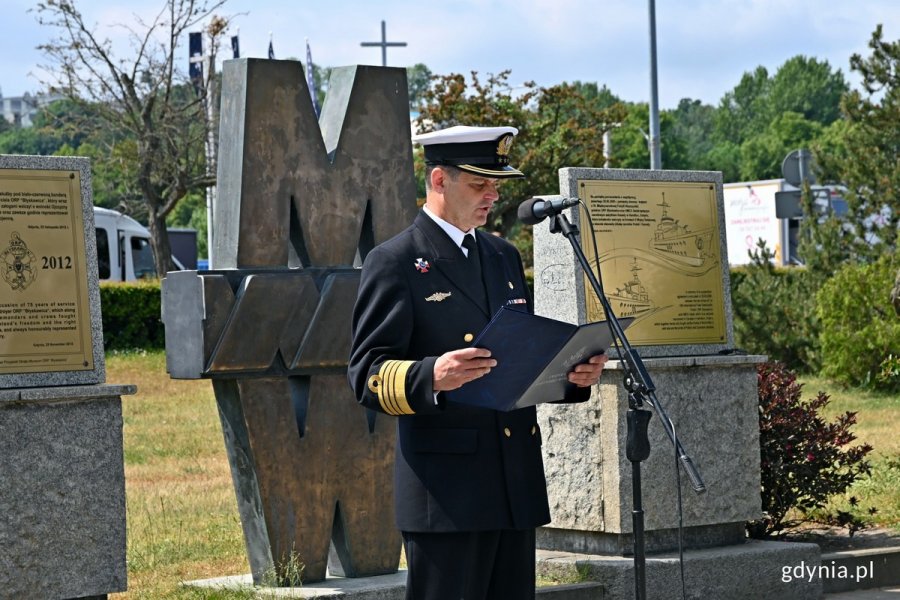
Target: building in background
[21,110]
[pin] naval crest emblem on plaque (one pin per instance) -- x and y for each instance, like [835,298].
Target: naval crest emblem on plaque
[17,263]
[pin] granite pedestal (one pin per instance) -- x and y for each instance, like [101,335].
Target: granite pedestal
[62,501]
[712,401]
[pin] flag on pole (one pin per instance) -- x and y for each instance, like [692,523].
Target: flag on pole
[195,69]
[235,47]
[271,49]
[310,82]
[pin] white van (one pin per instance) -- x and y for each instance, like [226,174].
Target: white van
[123,247]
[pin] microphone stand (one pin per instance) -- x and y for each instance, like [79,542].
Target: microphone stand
[640,390]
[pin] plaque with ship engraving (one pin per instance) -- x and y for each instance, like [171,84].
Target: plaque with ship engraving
[44,312]
[660,258]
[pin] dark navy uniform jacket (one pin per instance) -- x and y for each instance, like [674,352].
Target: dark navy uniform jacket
[457,467]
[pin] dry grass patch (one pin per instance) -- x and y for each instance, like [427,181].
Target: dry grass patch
[878,421]
[182,514]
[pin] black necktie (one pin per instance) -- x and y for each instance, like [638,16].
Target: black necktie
[474,260]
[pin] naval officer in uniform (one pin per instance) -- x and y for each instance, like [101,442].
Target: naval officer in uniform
[469,485]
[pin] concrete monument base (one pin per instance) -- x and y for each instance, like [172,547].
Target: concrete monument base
[381,587]
[748,571]
[712,401]
[62,464]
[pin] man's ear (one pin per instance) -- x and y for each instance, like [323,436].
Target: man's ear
[438,177]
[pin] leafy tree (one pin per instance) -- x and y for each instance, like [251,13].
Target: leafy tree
[566,129]
[113,176]
[754,116]
[693,123]
[762,155]
[867,156]
[29,140]
[741,109]
[321,75]
[142,96]
[560,126]
[599,96]
[801,85]
[418,78]
[74,123]
[809,87]
[629,141]
[725,157]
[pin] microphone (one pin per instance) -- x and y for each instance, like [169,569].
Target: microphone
[535,210]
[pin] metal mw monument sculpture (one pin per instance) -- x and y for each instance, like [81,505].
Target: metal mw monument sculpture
[300,203]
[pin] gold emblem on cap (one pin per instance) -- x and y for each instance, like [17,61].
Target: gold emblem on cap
[504,144]
[468,337]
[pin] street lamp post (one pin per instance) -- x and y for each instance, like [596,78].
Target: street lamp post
[655,154]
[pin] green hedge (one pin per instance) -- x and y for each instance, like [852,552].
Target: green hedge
[860,329]
[131,315]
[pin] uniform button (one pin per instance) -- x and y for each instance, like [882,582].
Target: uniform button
[511,286]
[507,431]
[468,337]
[533,429]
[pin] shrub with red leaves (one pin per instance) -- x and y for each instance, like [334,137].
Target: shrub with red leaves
[804,460]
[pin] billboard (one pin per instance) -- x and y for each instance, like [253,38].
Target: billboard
[749,217]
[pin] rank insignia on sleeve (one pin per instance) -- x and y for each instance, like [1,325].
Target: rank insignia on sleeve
[422,265]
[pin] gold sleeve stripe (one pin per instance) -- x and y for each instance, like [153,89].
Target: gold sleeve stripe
[389,392]
[400,398]
[384,391]
[392,391]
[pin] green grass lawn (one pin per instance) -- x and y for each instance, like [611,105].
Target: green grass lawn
[182,515]
[878,424]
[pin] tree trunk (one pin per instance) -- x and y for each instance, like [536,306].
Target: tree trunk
[159,241]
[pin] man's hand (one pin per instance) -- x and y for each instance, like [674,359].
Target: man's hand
[453,369]
[587,374]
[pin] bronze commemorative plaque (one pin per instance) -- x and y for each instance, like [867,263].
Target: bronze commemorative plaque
[660,258]
[44,312]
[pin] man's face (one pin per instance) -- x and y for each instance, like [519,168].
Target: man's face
[469,198]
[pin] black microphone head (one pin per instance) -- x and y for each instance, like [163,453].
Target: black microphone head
[526,212]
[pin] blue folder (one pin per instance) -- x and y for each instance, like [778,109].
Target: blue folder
[534,356]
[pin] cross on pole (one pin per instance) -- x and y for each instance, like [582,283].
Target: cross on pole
[383,43]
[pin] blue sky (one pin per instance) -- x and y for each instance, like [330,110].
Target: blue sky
[704,46]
